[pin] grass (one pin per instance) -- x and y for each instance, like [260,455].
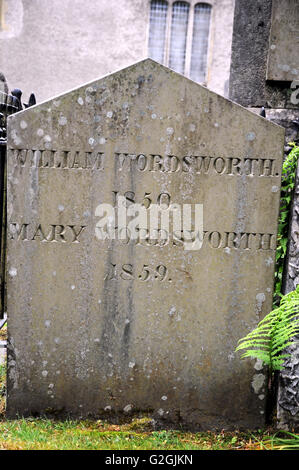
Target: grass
[46,434]
[43,434]
[139,434]
[282,440]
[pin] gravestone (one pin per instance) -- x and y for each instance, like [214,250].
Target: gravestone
[103,324]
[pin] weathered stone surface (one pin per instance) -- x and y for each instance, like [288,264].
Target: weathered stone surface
[249,52]
[288,394]
[292,262]
[252,55]
[283,57]
[101,326]
[248,83]
[286,118]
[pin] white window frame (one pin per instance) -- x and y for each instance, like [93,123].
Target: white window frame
[1,15]
[192,4]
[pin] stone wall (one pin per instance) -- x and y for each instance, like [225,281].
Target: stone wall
[249,87]
[52,46]
[288,396]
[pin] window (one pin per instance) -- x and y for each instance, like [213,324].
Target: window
[178,39]
[158,18]
[179,36]
[200,41]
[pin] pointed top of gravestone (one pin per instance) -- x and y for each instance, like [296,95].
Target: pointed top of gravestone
[136,95]
[146,71]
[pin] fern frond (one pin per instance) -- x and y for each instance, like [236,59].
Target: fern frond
[261,355]
[274,333]
[253,344]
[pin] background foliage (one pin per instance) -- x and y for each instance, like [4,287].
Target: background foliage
[276,331]
[287,187]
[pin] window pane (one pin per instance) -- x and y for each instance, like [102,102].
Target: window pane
[200,41]
[179,26]
[157,30]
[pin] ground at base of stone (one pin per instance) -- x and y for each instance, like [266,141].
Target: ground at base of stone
[44,434]
[137,434]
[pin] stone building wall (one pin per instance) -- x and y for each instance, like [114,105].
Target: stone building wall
[49,47]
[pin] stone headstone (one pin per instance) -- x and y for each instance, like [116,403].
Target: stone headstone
[283,57]
[109,326]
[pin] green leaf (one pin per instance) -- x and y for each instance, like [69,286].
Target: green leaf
[274,333]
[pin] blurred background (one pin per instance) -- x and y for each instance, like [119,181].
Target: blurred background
[51,46]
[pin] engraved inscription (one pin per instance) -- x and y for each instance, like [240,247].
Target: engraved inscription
[49,233]
[197,164]
[128,273]
[58,159]
[231,166]
[245,241]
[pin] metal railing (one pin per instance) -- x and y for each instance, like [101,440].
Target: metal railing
[10,103]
